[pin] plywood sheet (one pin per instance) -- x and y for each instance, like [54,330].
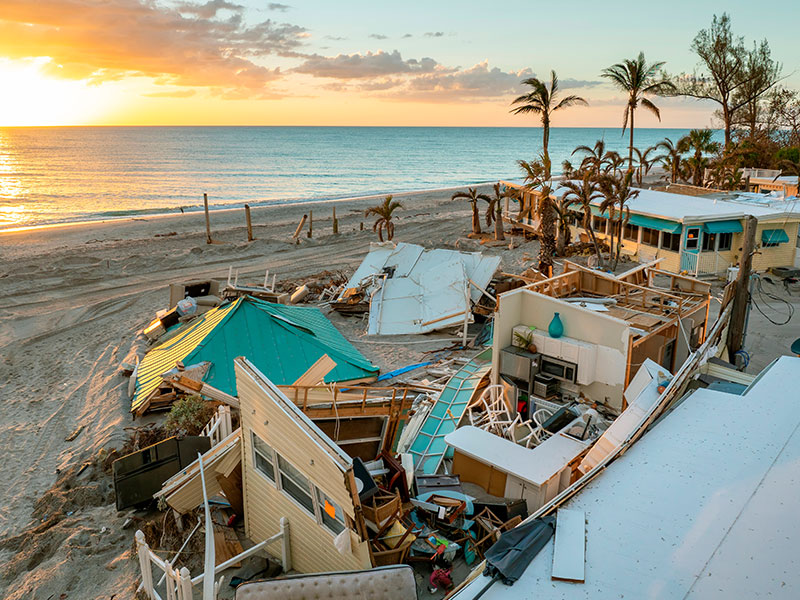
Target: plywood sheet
[569,550]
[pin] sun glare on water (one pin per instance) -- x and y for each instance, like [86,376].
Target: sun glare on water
[31,98]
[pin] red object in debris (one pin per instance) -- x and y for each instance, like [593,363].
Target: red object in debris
[441,578]
[232,520]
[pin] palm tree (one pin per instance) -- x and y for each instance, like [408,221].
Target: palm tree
[672,159]
[565,219]
[617,191]
[701,142]
[593,158]
[473,196]
[583,193]
[637,78]
[494,211]
[644,163]
[543,101]
[384,213]
[537,178]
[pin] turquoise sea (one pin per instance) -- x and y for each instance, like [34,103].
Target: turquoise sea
[58,174]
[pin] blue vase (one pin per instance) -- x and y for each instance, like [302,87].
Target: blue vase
[556,328]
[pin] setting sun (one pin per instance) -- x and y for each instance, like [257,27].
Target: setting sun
[36,99]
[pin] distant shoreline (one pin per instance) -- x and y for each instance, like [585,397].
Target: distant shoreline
[229,208]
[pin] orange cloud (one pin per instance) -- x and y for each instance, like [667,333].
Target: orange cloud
[109,39]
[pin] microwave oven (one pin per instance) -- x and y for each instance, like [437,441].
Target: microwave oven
[560,369]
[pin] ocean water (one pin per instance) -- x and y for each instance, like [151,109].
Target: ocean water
[59,174]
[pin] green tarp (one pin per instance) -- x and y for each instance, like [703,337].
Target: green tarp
[774,236]
[281,341]
[730,226]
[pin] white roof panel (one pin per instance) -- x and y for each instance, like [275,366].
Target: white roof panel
[535,465]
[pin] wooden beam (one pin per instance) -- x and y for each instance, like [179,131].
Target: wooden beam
[741,297]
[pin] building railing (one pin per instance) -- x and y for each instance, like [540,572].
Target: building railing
[704,263]
[220,425]
[179,583]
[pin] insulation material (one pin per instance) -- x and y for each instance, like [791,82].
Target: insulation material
[413,290]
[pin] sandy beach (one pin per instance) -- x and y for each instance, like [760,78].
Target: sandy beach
[74,298]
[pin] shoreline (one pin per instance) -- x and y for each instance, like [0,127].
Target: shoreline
[228,208]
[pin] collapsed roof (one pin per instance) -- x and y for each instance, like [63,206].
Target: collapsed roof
[414,290]
[282,341]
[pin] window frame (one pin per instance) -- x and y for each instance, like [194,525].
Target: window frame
[649,231]
[722,236]
[290,477]
[630,229]
[671,237]
[259,454]
[320,497]
[692,243]
[317,495]
[709,242]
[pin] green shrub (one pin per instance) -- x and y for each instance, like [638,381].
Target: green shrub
[188,416]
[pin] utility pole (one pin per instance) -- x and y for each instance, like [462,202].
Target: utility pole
[741,296]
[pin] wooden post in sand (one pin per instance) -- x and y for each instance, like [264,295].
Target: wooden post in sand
[249,223]
[335,223]
[208,223]
[310,223]
[300,226]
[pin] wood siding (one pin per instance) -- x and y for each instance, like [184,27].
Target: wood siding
[312,547]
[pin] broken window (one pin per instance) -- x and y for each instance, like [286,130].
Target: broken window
[331,513]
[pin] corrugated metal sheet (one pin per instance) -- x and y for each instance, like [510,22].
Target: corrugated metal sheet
[429,448]
[421,286]
[282,341]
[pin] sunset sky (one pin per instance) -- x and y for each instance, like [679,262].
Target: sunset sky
[318,62]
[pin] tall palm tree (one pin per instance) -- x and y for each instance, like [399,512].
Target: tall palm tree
[617,191]
[384,212]
[543,101]
[472,196]
[700,142]
[672,159]
[582,193]
[494,211]
[537,179]
[637,78]
[565,219]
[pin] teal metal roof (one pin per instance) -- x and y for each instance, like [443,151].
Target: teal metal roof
[774,236]
[281,341]
[429,448]
[644,221]
[730,226]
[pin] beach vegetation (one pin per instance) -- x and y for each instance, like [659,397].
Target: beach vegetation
[384,213]
[543,101]
[617,191]
[538,181]
[494,211]
[730,74]
[473,196]
[581,194]
[700,142]
[671,160]
[188,416]
[638,79]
